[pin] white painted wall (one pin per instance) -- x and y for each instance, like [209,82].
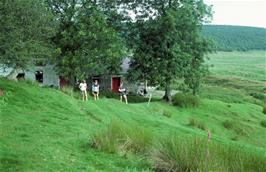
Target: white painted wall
[50,77]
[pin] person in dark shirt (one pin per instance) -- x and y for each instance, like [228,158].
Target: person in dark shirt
[95,90]
[123,92]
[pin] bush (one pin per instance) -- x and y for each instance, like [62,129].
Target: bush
[259,96]
[1,93]
[167,114]
[228,124]
[179,154]
[263,123]
[264,110]
[185,100]
[109,94]
[239,128]
[120,138]
[70,91]
[196,123]
[196,154]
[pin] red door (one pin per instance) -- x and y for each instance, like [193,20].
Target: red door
[63,82]
[115,83]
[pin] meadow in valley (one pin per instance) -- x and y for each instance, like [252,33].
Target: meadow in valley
[44,129]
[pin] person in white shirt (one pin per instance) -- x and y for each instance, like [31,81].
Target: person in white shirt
[83,89]
[95,90]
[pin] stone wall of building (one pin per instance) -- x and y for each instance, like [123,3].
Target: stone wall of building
[50,77]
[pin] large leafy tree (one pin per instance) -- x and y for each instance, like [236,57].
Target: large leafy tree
[170,44]
[26,27]
[86,40]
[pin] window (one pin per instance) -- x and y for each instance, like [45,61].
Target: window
[39,76]
[21,76]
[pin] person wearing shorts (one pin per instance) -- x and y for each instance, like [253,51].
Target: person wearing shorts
[95,90]
[123,93]
[83,89]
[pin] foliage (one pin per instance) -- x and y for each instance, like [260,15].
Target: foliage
[236,38]
[86,41]
[228,124]
[259,96]
[196,123]
[121,138]
[263,123]
[264,109]
[71,92]
[109,94]
[170,45]
[25,31]
[167,114]
[185,100]
[32,116]
[197,154]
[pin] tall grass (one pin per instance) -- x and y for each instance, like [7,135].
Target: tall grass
[71,92]
[122,139]
[185,100]
[196,154]
[196,123]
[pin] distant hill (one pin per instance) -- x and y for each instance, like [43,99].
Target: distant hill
[240,38]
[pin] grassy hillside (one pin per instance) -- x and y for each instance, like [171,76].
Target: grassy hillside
[243,65]
[43,129]
[236,38]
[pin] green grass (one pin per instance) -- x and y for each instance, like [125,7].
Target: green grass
[43,129]
[177,153]
[244,65]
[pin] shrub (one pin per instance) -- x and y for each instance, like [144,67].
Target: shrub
[195,123]
[1,93]
[179,154]
[167,114]
[239,128]
[132,98]
[264,110]
[120,138]
[185,100]
[263,123]
[196,154]
[259,96]
[70,91]
[109,94]
[228,124]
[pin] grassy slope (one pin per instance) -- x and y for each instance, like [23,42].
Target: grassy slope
[43,129]
[244,65]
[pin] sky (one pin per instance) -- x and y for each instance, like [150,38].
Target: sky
[239,12]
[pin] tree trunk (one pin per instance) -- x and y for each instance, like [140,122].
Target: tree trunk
[167,96]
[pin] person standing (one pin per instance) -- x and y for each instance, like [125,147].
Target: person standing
[83,89]
[95,90]
[123,93]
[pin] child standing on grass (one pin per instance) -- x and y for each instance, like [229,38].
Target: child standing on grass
[83,89]
[123,93]
[95,90]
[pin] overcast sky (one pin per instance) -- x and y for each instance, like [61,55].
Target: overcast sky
[239,12]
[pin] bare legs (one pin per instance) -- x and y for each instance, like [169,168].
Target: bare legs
[125,97]
[84,95]
[96,96]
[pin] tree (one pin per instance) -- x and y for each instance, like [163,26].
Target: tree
[86,41]
[170,44]
[26,27]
